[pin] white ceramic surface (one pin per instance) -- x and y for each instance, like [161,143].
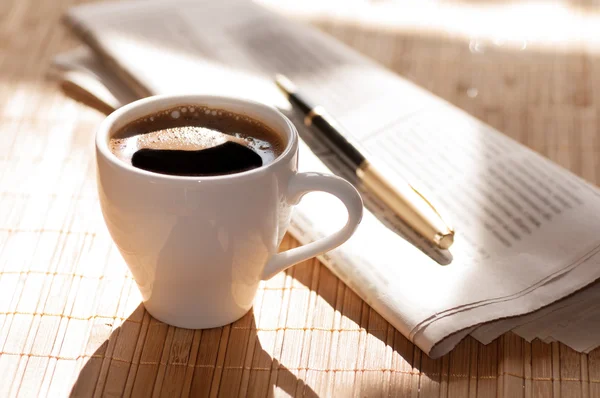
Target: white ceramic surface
[198,246]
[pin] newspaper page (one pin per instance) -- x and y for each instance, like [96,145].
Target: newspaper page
[522,222]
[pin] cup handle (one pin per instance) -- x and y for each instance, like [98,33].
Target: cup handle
[301,184]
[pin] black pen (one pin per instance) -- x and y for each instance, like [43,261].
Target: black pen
[412,207]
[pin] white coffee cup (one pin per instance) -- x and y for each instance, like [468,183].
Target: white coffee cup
[199,246]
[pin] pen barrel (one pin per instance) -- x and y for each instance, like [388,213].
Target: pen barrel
[339,143]
[408,204]
[298,101]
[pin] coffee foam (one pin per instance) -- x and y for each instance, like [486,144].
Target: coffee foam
[188,138]
[154,132]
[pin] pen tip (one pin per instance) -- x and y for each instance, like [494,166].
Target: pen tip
[444,241]
[284,84]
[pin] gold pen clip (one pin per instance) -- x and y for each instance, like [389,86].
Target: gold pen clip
[443,240]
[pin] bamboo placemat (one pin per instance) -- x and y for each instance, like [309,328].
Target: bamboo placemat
[71,321]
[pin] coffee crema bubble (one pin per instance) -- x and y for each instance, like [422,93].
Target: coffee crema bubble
[196,141]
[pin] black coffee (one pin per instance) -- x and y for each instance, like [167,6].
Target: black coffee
[196,141]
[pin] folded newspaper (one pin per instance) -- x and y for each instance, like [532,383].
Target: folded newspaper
[528,231]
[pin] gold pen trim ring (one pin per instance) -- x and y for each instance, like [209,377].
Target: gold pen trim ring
[314,112]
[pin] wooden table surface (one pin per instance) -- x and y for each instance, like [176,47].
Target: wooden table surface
[71,321]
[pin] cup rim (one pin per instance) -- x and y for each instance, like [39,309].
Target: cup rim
[131,112]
